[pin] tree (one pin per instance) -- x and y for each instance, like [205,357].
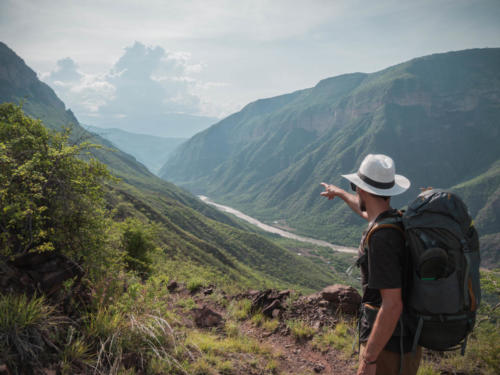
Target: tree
[50,198]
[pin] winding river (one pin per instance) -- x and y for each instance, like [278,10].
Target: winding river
[271,229]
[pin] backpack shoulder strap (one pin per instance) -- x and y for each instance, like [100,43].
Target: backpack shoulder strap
[390,223]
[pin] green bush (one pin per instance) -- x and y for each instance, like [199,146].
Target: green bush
[51,199]
[138,244]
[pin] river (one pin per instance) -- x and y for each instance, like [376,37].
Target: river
[278,231]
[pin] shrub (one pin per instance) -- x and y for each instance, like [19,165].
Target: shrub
[138,244]
[50,198]
[26,325]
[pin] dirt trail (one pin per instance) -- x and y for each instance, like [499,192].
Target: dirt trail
[293,357]
[299,358]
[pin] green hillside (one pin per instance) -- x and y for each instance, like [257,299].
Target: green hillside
[438,117]
[196,239]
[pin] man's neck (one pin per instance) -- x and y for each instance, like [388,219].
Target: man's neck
[376,207]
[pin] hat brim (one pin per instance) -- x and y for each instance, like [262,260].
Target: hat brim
[401,184]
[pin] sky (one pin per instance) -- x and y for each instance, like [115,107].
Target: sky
[127,63]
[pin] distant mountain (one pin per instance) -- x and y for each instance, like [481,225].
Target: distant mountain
[150,150]
[438,116]
[195,238]
[168,125]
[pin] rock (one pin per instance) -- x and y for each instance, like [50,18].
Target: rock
[318,368]
[284,293]
[39,273]
[208,291]
[342,297]
[274,305]
[276,313]
[172,286]
[323,303]
[205,317]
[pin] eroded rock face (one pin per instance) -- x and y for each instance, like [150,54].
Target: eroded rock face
[270,301]
[206,318]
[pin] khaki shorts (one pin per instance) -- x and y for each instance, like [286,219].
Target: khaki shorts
[388,362]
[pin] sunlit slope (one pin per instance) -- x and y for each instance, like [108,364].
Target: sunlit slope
[195,236]
[438,116]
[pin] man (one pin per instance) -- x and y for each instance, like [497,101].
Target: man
[382,262]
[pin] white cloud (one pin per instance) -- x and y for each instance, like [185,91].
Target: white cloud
[227,53]
[82,92]
[145,84]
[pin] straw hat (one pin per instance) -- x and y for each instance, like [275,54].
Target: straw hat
[377,175]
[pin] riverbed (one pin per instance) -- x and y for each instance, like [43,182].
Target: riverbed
[278,231]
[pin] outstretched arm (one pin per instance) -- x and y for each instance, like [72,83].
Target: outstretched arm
[332,191]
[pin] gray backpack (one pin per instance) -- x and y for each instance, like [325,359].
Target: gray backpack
[441,291]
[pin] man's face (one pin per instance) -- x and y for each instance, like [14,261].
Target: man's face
[361,201]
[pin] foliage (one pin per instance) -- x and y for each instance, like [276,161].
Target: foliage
[339,337]
[26,327]
[194,284]
[260,320]
[268,159]
[240,309]
[300,329]
[50,199]
[137,240]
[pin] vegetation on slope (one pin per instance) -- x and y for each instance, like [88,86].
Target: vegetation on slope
[437,116]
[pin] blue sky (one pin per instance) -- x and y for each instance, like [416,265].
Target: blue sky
[210,58]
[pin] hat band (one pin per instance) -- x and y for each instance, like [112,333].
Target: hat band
[376,184]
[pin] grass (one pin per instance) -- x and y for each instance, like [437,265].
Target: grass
[26,327]
[260,320]
[195,284]
[240,310]
[232,329]
[187,304]
[300,329]
[339,338]
[210,343]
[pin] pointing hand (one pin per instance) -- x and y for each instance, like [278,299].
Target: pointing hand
[331,191]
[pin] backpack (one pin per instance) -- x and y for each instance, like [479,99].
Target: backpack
[442,292]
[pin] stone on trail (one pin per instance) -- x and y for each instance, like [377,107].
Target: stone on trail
[342,297]
[206,318]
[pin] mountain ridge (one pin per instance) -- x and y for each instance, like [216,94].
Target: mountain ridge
[196,238]
[436,115]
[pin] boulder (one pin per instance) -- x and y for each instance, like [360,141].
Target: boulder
[342,297]
[172,286]
[206,318]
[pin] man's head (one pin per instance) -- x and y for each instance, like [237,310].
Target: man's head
[377,176]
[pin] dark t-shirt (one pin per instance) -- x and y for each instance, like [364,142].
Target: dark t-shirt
[384,269]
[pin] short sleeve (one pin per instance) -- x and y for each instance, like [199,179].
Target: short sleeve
[385,259]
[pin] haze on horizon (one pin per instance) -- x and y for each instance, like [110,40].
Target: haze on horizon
[147,66]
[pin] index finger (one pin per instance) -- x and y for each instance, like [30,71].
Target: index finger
[324,184]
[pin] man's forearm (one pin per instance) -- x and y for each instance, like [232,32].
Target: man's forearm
[352,201]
